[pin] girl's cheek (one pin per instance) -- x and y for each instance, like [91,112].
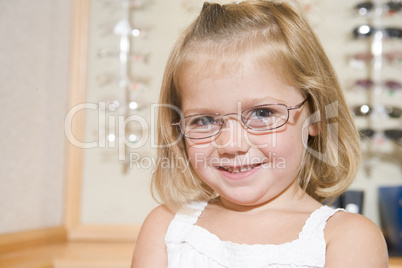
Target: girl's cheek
[199,149]
[264,141]
[198,153]
[284,145]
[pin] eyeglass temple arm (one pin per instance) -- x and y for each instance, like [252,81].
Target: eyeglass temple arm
[298,105]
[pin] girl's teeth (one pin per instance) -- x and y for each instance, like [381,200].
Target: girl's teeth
[238,169]
[224,168]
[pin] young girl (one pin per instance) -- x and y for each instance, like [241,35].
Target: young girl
[251,101]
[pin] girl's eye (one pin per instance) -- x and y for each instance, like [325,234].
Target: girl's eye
[265,117]
[202,121]
[261,113]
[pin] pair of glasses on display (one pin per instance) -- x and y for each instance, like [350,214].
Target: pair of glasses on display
[394,134]
[366,31]
[106,79]
[366,110]
[135,57]
[368,7]
[392,57]
[136,4]
[122,28]
[368,84]
[258,119]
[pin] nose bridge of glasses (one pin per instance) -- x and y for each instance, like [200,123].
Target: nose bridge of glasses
[232,136]
[233,117]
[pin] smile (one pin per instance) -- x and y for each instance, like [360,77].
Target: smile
[236,170]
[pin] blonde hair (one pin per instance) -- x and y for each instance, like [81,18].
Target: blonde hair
[272,33]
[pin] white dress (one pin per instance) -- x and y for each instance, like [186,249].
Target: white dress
[191,246]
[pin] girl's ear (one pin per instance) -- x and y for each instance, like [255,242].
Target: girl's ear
[313,129]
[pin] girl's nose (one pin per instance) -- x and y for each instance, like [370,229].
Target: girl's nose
[232,138]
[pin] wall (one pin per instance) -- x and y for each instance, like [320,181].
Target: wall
[34,80]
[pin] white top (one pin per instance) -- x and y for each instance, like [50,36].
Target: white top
[191,246]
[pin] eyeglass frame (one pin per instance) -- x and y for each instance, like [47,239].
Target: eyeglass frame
[289,108]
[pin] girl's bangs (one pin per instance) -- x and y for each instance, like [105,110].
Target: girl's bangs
[228,56]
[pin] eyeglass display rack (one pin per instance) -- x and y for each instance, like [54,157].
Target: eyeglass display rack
[380,36]
[128,98]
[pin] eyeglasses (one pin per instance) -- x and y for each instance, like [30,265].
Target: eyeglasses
[390,7]
[392,57]
[394,134]
[137,57]
[257,119]
[368,83]
[365,31]
[366,110]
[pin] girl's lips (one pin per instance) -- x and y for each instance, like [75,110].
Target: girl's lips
[238,169]
[237,173]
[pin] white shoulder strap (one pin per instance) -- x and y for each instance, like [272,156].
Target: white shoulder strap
[317,221]
[183,222]
[191,214]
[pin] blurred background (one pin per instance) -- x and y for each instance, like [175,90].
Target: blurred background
[79,83]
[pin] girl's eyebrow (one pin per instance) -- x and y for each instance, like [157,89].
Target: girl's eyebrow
[244,104]
[199,111]
[250,102]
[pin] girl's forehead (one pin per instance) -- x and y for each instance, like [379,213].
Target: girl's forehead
[215,68]
[213,63]
[211,59]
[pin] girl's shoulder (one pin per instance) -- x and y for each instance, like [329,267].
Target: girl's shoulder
[150,249]
[161,212]
[354,241]
[157,222]
[345,225]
